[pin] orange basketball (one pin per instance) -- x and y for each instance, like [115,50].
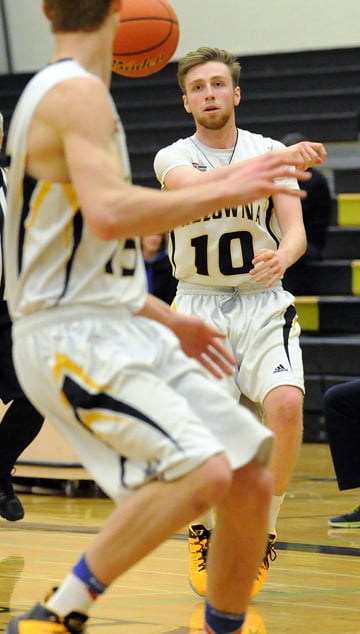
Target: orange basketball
[147,37]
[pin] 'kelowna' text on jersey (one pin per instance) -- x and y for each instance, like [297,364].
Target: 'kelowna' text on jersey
[51,257]
[218,249]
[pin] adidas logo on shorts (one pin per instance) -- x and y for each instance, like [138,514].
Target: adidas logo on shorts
[280,368]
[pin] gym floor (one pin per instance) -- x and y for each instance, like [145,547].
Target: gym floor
[313,586]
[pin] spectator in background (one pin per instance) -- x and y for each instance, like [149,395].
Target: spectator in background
[317,216]
[158,268]
[21,422]
[342,418]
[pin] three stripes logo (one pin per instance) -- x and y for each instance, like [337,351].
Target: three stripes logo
[280,368]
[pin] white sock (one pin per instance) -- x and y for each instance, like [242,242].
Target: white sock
[274,511]
[206,520]
[71,596]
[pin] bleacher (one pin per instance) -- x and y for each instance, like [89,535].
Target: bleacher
[313,92]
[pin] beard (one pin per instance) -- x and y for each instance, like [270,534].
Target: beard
[214,122]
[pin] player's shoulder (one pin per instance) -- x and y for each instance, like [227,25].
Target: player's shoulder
[174,151]
[179,144]
[65,82]
[260,142]
[59,71]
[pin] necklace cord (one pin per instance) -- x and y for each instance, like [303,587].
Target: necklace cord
[207,158]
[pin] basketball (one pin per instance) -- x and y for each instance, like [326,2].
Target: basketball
[147,37]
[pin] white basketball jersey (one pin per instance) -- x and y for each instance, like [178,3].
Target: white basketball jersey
[51,257]
[3,188]
[217,250]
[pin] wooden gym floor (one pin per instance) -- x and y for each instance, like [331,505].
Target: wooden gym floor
[313,586]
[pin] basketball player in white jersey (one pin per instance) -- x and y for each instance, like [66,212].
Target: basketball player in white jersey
[105,361]
[229,265]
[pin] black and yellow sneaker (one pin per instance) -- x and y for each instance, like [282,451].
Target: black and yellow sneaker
[270,555]
[199,539]
[348,520]
[42,620]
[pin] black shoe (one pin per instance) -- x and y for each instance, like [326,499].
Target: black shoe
[10,506]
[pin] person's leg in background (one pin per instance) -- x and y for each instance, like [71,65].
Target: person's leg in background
[283,408]
[342,420]
[21,423]
[282,411]
[19,426]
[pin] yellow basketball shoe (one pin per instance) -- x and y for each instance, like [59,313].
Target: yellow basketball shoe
[199,539]
[41,619]
[196,625]
[270,555]
[254,623]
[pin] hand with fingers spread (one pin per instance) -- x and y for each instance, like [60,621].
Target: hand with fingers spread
[306,154]
[259,176]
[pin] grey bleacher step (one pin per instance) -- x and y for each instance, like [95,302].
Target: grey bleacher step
[328,277]
[331,355]
[316,386]
[326,314]
[343,243]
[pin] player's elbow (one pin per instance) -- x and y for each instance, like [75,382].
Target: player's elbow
[104,225]
[106,221]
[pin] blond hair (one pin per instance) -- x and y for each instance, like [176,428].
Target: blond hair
[206,54]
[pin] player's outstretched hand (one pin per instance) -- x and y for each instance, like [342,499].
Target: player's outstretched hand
[203,342]
[306,154]
[258,177]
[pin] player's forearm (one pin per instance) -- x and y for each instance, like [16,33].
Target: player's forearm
[154,308]
[292,247]
[126,210]
[141,211]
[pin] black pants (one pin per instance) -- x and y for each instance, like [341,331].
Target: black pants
[21,421]
[342,417]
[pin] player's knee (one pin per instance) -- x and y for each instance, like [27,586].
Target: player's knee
[252,485]
[256,477]
[285,405]
[215,481]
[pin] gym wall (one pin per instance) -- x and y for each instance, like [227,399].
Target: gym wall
[245,27]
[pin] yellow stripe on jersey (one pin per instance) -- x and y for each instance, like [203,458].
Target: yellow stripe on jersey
[38,202]
[39,197]
[70,194]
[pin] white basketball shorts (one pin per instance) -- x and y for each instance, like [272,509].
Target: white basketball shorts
[262,332]
[132,405]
